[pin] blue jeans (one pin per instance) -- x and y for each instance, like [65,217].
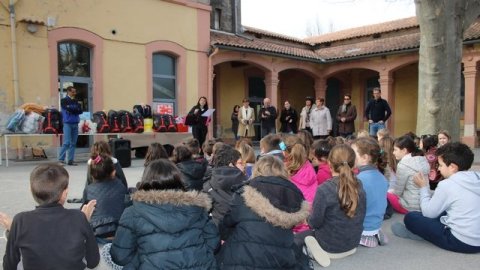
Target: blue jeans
[70,135]
[375,127]
[432,230]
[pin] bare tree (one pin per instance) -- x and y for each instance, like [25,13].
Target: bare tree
[314,27]
[442,25]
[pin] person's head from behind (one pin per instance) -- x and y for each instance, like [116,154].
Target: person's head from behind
[405,145]
[295,154]
[428,142]
[226,156]
[49,184]
[181,153]
[169,148]
[321,149]
[193,145]
[155,151]
[443,137]
[386,144]
[247,153]
[368,152]
[454,157]
[242,141]
[102,168]
[100,148]
[363,134]
[207,147]
[341,160]
[269,143]
[382,133]
[270,166]
[161,174]
[307,139]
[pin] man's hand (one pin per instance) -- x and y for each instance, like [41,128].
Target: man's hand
[381,122]
[370,121]
[88,208]
[420,180]
[343,119]
[5,221]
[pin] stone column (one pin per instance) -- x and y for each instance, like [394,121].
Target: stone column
[320,88]
[470,109]
[386,85]
[271,87]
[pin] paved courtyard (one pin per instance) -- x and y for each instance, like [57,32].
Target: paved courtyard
[398,254]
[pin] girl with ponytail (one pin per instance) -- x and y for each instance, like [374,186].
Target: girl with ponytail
[371,162]
[301,171]
[338,211]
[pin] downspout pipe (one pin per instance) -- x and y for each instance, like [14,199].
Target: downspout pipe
[13,36]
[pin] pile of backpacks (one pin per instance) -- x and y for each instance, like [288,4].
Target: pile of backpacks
[31,118]
[123,121]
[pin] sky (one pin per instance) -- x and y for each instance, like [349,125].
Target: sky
[296,17]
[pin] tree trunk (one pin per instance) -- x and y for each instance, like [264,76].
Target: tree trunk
[442,24]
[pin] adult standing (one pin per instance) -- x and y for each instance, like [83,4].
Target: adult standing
[71,109]
[268,115]
[346,115]
[305,114]
[199,122]
[320,120]
[234,119]
[246,116]
[377,112]
[288,119]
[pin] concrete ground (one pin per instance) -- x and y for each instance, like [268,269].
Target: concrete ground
[398,254]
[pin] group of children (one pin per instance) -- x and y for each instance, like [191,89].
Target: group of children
[297,205]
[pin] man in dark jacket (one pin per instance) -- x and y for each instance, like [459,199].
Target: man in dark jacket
[224,177]
[346,115]
[267,116]
[377,112]
[71,110]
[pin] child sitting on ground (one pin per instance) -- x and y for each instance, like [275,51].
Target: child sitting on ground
[50,237]
[321,149]
[258,229]
[167,227]
[110,195]
[338,212]
[371,164]
[155,151]
[405,195]
[450,219]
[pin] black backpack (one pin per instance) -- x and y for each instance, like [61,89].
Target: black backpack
[171,124]
[145,111]
[126,121]
[114,121]
[137,123]
[53,121]
[100,118]
[159,124]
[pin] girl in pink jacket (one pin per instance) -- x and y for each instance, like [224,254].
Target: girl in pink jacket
[301,171]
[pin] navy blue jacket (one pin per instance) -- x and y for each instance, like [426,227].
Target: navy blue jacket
[378,110]
[111,197]
[258,229]
[71,110]
[166,229]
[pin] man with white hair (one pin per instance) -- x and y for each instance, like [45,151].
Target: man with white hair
[268,115]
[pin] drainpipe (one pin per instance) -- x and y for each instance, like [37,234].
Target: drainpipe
[14,52]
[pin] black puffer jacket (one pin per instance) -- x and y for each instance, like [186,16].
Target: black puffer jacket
[192,173]
[111,198]
[166,229]
[259,225]
[219,187]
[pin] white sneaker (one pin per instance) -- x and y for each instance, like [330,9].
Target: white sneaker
[316,252]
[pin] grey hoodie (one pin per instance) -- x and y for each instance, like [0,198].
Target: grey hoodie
[459,197]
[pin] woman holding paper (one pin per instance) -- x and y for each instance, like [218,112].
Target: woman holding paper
[198,121]
[246,117]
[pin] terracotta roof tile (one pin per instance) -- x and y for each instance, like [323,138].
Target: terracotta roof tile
[365,30]
[473,32]
[384,45]
[219,38]
[253,30]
